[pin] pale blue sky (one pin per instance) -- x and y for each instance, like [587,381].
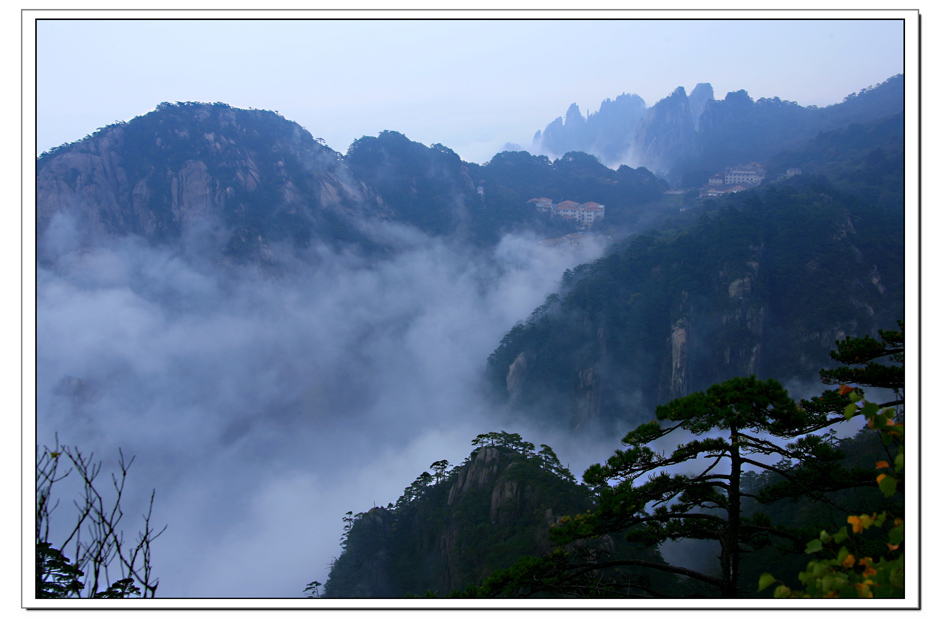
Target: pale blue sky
[470,85]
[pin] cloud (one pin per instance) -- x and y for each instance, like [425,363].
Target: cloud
[262,407]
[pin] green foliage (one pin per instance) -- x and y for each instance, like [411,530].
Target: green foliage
[862,369]
[752,286]
[563,574]
[56,577]
[866,160]
[445,531]
[427,186]
[739,423]
[845,566]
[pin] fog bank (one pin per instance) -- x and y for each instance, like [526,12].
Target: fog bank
[262,406]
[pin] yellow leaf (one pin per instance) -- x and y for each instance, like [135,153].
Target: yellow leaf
[881,464]
[893,547]
[845,389]
[849,561]
[856,523]
[880,477]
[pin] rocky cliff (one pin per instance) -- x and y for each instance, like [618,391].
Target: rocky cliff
[605,133]
[248,178]
[665,133]
[443,535]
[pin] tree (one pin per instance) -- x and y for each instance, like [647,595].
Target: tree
[844,566]
[440,470]
[841,568]
[738,424]
[313,588]
[867,363]
[95,540]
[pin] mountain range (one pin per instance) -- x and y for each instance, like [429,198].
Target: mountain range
[686,137]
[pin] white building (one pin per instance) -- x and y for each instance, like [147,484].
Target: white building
[743,175]
[587,213]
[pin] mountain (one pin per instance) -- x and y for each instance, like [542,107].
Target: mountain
[458,527]
[430,186]
[687,138]
[665,133]
[866,160]
[698,100]
[243,183]
[605,133]
[762,286]
[245,179]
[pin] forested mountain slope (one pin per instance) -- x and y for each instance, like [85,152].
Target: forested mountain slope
[456,527]
[764,285]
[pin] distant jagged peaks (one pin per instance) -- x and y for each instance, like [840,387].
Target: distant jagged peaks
[665,133]
[691,134]
[605,133]
[698,99]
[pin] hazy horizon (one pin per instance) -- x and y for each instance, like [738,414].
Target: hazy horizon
[472,86]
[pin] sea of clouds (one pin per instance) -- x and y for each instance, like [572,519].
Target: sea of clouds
[262,405]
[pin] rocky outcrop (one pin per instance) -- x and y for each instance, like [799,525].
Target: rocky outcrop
[479,473]
[241,170]
[516,376]
[605,133]
[587,398]
[494,508]
[698,100]
[666,133]
[679,339]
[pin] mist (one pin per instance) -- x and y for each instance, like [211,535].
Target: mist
[261,406]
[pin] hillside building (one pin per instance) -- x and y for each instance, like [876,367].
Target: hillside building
[734,179]
[541,204]
[748,175]
[586,213]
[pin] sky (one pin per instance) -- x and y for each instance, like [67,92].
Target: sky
[263,410]
[472,85]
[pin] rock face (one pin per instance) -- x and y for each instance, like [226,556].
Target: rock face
[682,135]
[252,176]
[666,133]
[679,381]
[494,508]
[698,100]
[605,133]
